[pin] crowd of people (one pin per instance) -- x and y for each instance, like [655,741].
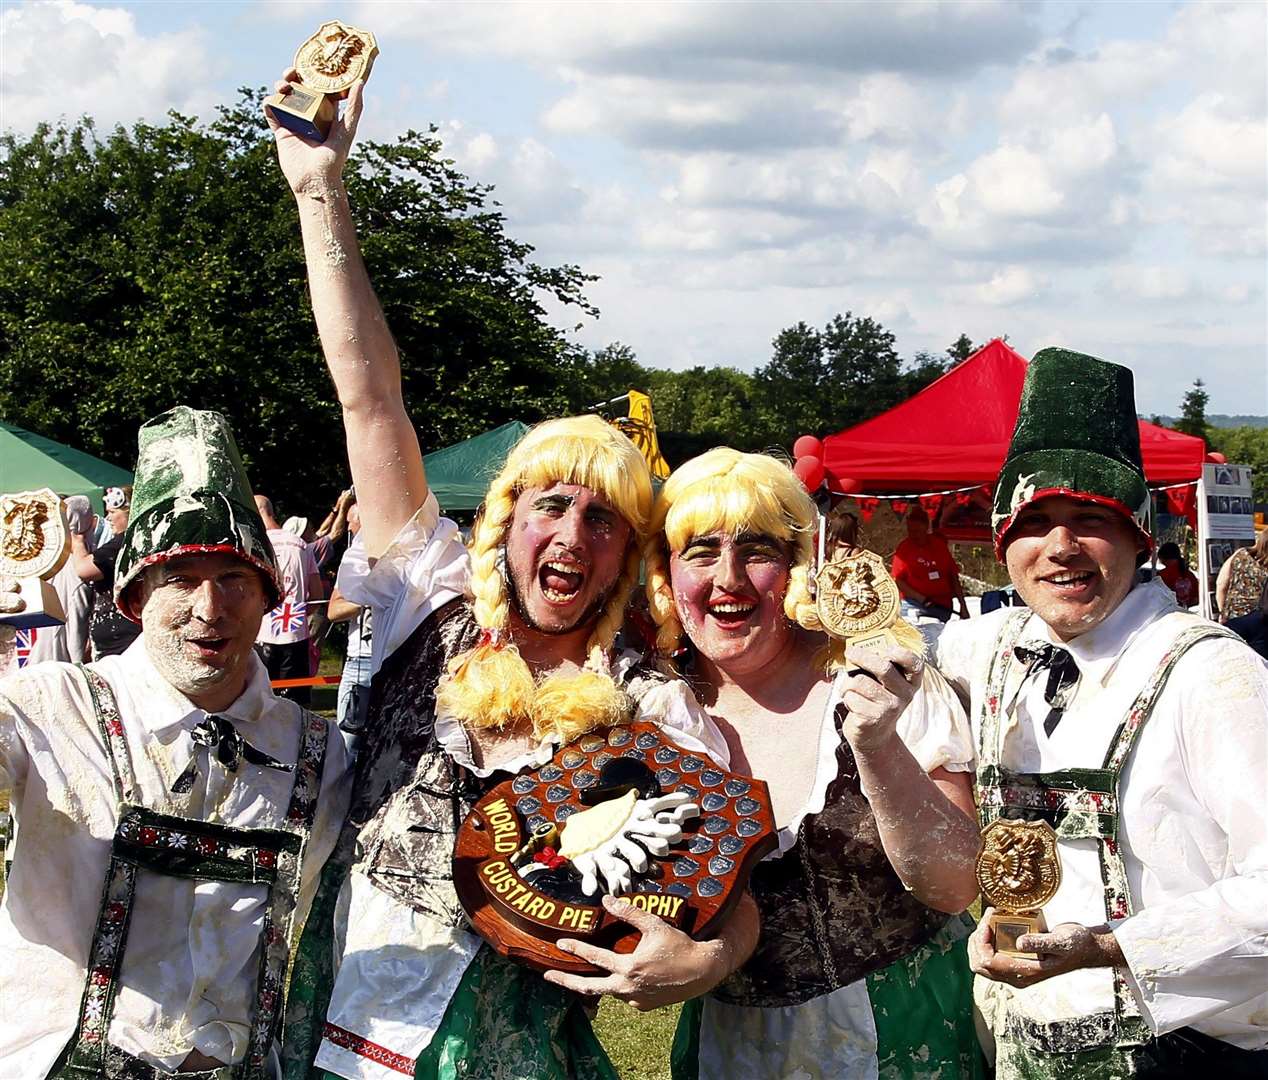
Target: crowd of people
[179,822]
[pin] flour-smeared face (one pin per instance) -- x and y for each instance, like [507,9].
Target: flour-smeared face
[1072,562]
[200,615]
[565,550]
[729,596]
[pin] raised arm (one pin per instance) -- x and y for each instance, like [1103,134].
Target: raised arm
[926,821]
[383,451]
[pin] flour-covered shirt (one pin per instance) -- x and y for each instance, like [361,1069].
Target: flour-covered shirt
[191,961]
[1193,799]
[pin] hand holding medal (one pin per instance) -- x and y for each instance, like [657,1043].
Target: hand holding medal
[327,66]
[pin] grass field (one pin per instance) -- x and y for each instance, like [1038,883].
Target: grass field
[638,1043]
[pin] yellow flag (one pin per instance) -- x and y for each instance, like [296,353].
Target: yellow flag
[640,427]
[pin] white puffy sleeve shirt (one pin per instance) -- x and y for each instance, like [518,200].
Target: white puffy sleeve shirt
[191,962]
[1193,805]
[425,567]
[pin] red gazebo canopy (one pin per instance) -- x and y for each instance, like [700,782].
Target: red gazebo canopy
[955,433]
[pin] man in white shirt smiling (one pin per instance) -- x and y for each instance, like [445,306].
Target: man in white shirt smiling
[1139,733]
[172,812]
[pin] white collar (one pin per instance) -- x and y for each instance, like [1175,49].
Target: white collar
[165,712]
[1099,651]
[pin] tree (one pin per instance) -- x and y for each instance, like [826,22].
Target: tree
[1193,412]
[162,265]
[793,386]
[1246,446]
[961,349]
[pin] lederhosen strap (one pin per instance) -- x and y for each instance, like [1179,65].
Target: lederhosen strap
[1078,803]
[190,848]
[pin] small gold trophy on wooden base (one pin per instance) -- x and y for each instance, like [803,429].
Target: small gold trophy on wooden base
[328,63]
[1018,871]
[34,543]
[858,602]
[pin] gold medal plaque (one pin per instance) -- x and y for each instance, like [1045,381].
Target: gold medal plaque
[328,64]
[34,543]
[858,602]
[1018,871]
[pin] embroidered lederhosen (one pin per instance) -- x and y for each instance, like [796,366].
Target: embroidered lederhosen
[1080,804]
[832,908]
[190,848]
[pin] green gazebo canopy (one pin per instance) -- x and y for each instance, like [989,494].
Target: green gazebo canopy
[29,461]
[460,474]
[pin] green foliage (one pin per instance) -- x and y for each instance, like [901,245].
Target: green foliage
[1193,412]
[817,381]
[961,349]
[1246,446]
[162,265]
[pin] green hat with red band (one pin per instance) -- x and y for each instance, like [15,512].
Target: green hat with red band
[190,496]
[1076,435]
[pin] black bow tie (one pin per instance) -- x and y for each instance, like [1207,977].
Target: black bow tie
[227,745]
[1063,677]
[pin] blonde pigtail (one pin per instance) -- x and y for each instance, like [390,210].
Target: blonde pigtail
[571,705]
[490,686]
[612,618]
[660,596]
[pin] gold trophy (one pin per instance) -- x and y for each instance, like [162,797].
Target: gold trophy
[328,63]
[1018,871]
[34,543]
[858,602]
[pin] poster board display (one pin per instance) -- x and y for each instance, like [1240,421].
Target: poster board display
[1226,522]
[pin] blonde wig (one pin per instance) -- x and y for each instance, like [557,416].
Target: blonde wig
[491,686]
[727,491]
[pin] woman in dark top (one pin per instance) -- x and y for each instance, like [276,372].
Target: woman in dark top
[860,967]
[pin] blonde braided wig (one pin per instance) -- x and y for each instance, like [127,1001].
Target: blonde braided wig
[491,686]
[730,492]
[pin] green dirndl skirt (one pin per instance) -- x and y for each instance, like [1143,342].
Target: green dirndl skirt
[504,1022]
[922,1005]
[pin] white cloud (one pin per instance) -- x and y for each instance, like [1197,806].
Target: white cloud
[1010,285]
[64,60]
[1163,283]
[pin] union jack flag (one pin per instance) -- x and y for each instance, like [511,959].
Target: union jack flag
[289,617]
[25,642]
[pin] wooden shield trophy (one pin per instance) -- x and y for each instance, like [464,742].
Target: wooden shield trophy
[623,811]
[1018,871]
[328,63]
[34,543]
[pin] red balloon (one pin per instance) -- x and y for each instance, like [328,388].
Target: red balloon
[809,471]
[1217,457]
[807,446]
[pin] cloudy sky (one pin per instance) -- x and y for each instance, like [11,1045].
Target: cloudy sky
[1084,174]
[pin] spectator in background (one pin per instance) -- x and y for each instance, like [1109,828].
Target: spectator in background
[1178,577]
[354,685]
[110,631]
[283,638]
[68,642]
[1253,628]
[927,575]
[1242,579]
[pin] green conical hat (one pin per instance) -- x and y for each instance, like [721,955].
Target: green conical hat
[191,496]
[1076,435]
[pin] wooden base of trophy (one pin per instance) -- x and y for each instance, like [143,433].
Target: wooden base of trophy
[1007,927]
[43,607]
[307,113]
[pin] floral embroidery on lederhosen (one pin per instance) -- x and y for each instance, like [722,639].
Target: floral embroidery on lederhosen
[1079,804]
[192,848]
